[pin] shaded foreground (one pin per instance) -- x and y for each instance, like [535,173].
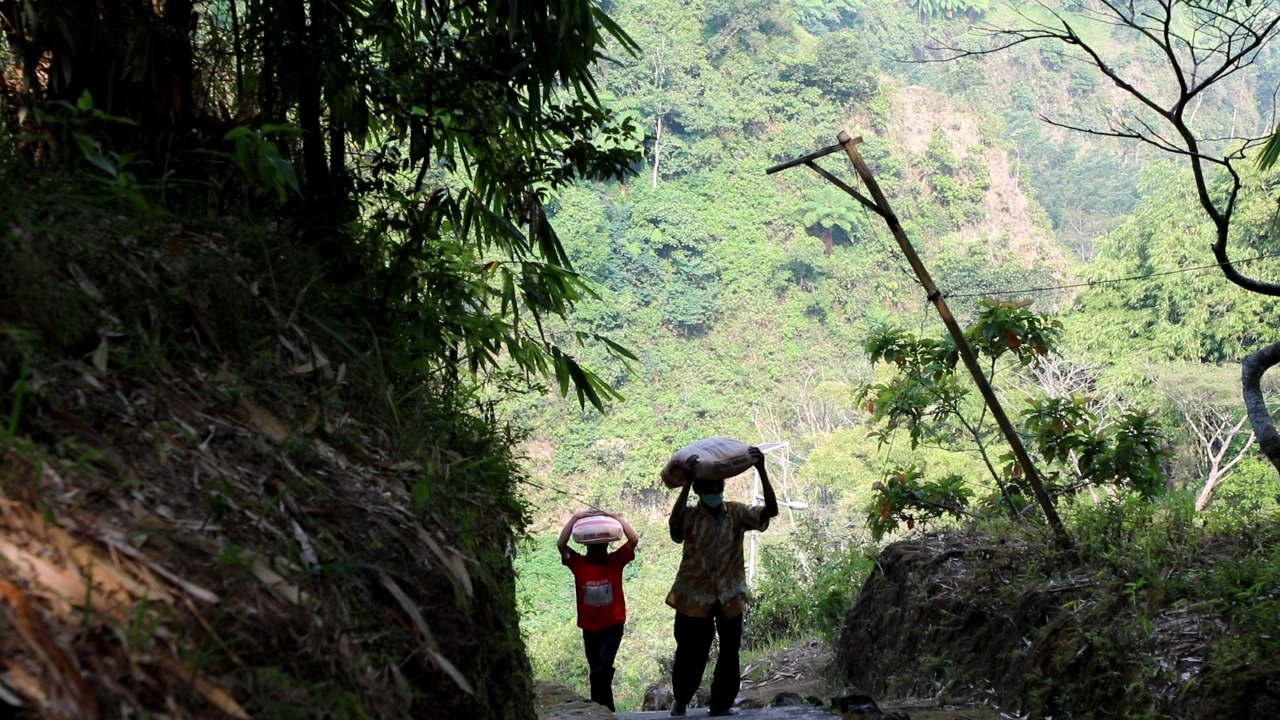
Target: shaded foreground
[201,515]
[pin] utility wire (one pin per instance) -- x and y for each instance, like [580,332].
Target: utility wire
[1091,283]
[566,493]
[875,230]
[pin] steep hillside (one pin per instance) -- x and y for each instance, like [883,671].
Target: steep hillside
[777,351]
[1009,227]
[202,512]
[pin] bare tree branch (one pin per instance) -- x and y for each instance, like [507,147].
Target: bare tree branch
[1123,135]
[1203,43]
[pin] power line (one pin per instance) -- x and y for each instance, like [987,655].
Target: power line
[1091,283]
[875,230]
[571,496]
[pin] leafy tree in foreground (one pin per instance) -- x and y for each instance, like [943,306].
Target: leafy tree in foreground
[432,135]
[925,397]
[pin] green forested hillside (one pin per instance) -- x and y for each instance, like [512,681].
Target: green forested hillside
[748,298]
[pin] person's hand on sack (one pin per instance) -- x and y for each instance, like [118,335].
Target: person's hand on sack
[689,463]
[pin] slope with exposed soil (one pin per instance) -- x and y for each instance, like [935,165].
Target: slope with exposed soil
[1012,228]
[205,505]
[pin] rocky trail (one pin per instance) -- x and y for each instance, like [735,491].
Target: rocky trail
[790,683]
[572,707]
[793,712]
[809,712]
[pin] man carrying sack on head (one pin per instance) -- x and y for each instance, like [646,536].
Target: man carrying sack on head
[597,576]
[710,589]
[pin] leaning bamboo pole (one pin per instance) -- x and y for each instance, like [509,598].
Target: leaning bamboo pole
[879,204]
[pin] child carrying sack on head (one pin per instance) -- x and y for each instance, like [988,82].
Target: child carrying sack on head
[597,576]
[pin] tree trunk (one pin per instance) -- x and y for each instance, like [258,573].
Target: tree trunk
[657,150]
[1206,492]
[180,30]
[238,49]
[1252,368]
[270,104]
[305,60]
[1215,476]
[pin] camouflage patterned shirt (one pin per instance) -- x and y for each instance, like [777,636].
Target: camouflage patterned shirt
[712,567]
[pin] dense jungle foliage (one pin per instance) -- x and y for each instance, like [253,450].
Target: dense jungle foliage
[776,308]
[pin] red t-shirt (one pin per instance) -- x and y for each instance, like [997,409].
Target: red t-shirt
[599,588]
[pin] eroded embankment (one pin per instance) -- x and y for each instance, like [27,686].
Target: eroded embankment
[968,618]
[205,510]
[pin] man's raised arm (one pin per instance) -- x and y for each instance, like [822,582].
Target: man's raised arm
[770,500]
[675,523]
[562,543]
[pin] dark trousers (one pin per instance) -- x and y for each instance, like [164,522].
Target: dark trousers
[693,647]
[602,648]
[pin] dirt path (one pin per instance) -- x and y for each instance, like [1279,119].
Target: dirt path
[809,712]
[801,671]
[792,712]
